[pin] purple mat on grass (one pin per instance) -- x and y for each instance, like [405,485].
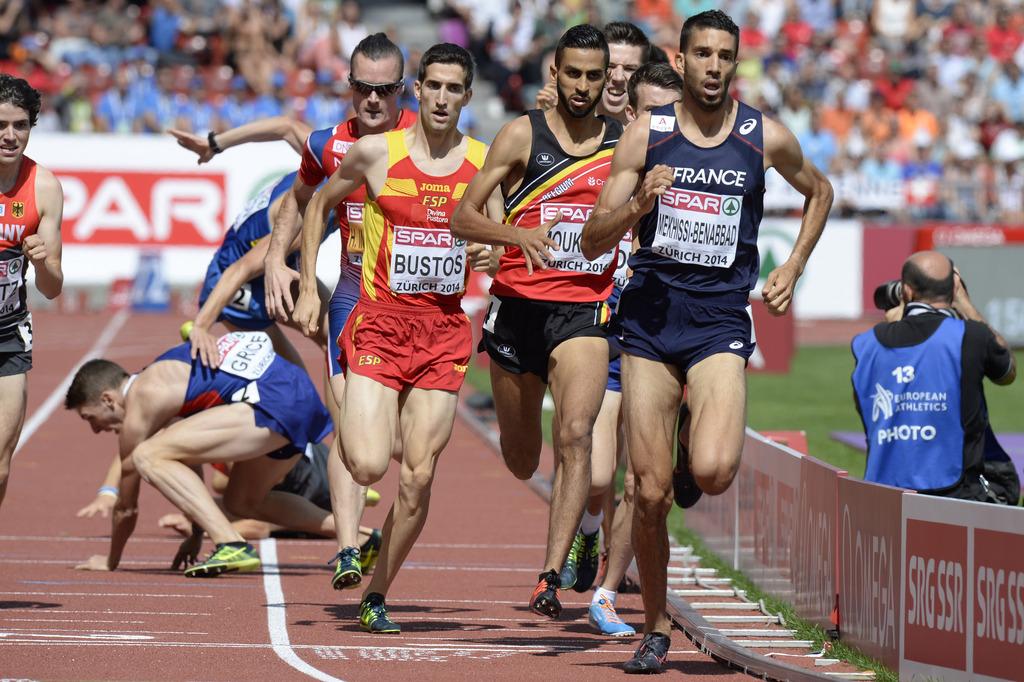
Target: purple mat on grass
[1012,442]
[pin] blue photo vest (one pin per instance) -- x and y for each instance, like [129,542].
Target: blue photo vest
[909,400]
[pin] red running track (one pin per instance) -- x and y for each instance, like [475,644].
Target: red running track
[461,598]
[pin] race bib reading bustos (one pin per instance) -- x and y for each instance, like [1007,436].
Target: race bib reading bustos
[427,260]
[698,228]
[569,257]
[245,354]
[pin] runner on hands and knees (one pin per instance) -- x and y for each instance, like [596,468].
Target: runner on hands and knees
[544,322]
[257,411]
[407,343]
[31,203]
[691,176]
[651,86]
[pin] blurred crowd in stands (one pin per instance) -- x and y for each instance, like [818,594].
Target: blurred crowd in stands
[913,107]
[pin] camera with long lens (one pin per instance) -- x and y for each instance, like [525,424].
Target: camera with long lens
[888,295]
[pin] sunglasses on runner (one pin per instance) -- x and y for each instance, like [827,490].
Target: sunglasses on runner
[382,89]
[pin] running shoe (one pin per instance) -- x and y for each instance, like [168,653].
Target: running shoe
[651,655]
[567,578]
[545,596]
[228,557]
[684,486]
[604,618]
[372,497]
[347,571]
[373,616]
[369,551]
[587,561]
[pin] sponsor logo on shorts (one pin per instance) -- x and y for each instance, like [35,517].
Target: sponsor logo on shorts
[461,369]
[545,159]
[506,350]
[368,359]
[736,345]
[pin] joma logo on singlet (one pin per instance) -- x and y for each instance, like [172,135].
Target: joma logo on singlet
[11,233]
[435,187]
[570,213]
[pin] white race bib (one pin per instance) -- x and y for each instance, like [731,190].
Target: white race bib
[245,354]
[698,228]
[621,275]
[12,278]
[569,257]
[427,260]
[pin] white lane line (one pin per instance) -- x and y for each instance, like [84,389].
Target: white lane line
[54,400]
[97,630]
[69,538]
[277,616]
[59,611]
[108,594]
[61,620]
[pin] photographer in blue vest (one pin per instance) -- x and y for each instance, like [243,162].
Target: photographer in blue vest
[918,383]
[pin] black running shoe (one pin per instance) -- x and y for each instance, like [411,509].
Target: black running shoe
[545,596]
[686,490]
[588,560]
[373,616]
[651,655]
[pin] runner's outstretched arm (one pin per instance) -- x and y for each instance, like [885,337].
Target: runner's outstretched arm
[265,130]
[204,344]
[284,239]
[44,247]
[350,175]
[469,222]
[628,194]
[782,152]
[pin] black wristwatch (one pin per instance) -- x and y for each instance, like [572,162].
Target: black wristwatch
[210,139]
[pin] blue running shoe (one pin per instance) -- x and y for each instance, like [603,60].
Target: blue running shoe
[606,621]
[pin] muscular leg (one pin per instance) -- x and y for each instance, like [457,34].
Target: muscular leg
[718,408]
[620,546]
[249,495]
[651,392]
[369,415]
[226,433]
[13,396]
[518,400]
[604,452]
[347,496]
[578,374]
[426,421]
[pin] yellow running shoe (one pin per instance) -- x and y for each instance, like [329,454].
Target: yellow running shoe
[226,558]
[372,497]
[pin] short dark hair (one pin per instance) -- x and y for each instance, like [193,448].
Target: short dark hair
[448,53]
[927,288]
[18,92]
[91,380]
[660,75]
[658,55]
[712,18]
[377,47]
[625,33]
[581,37]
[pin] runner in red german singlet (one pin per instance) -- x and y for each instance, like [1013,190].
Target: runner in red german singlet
[544,323]
[31,203]
[407,343]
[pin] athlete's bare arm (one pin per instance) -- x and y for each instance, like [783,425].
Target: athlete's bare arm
[507,158]
[782,152]
[107,497]
[265,130]
[367,155]
[284,238]
[43,248]
[628,195]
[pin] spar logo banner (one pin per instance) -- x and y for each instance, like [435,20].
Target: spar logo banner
[963,597]
[143,208]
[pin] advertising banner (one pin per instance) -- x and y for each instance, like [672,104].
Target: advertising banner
[962,604]
[815,554]
[869,569]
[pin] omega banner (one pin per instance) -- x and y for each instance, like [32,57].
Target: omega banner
[962,602]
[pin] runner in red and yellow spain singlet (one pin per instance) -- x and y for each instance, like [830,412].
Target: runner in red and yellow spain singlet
[31,203]
[407,342]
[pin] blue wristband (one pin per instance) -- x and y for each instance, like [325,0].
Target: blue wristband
[108,490]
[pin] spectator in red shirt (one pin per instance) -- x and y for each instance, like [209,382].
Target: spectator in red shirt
[1003,39]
